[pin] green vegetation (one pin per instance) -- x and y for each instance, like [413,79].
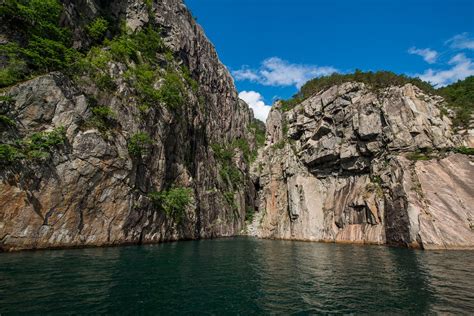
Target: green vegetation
[149,5]
[428,153]
[258,130]
[141,47]
[173,202]
[6,121]
[189,79]
[38,146]
[45,46]
[143,80]
[229,198]
[464,150]
[459,95]
[376,80]
[139,143]
[249,215]
[103,118]
[222,153]
[244,146]
[9,154]
[228,171]
[279,145]
[97,29]
[418,155]
[42,45]
[6,99]
[460,98]
[172,91]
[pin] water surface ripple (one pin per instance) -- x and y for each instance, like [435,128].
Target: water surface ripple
[237,276]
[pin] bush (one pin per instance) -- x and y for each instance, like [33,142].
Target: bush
[42,45]
[144,78]
[228,171]
[173,202]
[172,91]
[279,145]
[465,150]
[102,118]
[460,98]
[123,48]
[147,41]
[13,72]
[97,29]
[231,174]
[6,121]
[244,146]
[95,65]
[222,153]
[40,145]
[9,154]
[139,143]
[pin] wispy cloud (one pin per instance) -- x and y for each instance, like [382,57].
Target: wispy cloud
[461,41]
[275,71]
[429,55]
[460,68]
[256,103]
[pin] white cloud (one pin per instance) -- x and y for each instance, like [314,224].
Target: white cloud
[256,103]
[461,67]
[461,41]
[429,55]
[275,71]
[245,74]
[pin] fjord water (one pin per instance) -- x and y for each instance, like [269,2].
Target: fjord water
[237,276]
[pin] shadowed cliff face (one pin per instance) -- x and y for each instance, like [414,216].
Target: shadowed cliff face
[92,183]
[351,164]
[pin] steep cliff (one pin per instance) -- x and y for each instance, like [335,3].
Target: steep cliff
[354,163]
[142,138]
[119,125]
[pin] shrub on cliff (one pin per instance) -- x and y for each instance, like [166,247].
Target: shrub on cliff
[97,29]
[9,154]
[460,98]
[228,171]
[172,91]
[43,45]
[139,143]
[173,202]
[38,146]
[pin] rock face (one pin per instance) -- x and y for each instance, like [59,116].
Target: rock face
[355,165]
[91,190]
[85,161]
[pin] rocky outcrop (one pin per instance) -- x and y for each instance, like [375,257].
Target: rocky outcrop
[354,164]
[91,190]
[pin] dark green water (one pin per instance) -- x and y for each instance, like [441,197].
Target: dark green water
[237,276]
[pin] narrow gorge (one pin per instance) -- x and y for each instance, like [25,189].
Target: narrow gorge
[120,125]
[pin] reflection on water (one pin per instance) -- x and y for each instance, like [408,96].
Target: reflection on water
[241,275]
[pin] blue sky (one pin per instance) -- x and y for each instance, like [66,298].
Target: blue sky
[273,46]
